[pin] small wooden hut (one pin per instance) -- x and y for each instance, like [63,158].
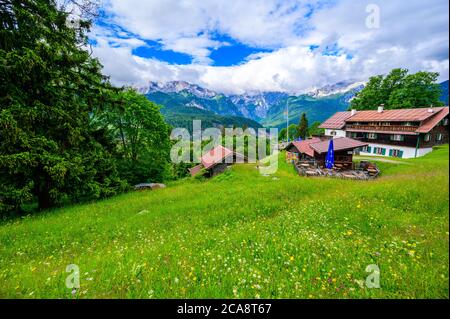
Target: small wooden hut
[216,161]
[315,150]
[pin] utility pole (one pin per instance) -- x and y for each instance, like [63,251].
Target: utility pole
[287,119]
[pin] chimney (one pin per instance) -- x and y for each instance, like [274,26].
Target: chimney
[381,108]
[353,112]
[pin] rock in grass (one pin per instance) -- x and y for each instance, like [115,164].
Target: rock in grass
[144,186]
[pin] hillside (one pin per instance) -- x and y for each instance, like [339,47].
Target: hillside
[444,96]
[180,109]
[244,235]
[316,109]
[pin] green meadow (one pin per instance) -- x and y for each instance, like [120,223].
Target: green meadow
[244,235]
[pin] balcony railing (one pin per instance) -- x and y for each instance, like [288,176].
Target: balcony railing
[387,128]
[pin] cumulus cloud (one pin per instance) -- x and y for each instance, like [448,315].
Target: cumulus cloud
[313,43]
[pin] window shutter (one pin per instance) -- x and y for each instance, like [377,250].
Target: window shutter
[369,149]
[390,152]
[400,154]
[383,151]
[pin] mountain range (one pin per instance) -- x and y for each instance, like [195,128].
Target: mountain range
[182,102]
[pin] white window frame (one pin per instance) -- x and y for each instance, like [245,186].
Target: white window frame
[395,152]
[427,137]
[372,136]
[438,137]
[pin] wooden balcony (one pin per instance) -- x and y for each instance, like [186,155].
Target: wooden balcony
[387,128]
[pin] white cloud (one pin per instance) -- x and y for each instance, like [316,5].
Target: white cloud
[412,35]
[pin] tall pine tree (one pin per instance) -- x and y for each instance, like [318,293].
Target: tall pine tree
[50,88]
[303,127]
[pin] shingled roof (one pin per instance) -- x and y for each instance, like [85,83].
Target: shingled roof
[398,115]
[428,117]
[339,144]
[433,121]
[216,155]
[319,146]
[305,146]
[337,121]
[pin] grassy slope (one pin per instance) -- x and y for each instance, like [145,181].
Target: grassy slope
[244,235]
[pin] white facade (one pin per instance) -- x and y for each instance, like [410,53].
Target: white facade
[408,152]
[334,133]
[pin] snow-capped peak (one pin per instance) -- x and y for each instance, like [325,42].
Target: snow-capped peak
[340,87]
[177,87]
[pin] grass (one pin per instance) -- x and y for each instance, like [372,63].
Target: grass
[244,235]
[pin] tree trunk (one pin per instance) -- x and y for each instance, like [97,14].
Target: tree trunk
[44,199]
[42,191]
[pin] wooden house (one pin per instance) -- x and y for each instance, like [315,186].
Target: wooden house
[315,150]
[216,161]
[405,133]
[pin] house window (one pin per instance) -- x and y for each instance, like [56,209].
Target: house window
[396,153]
[409,124]
[333,133]
[445,122]
[379,150]
[427,137]
[366,149]
[397,137]
[353,135]
[439,137]
[372,136]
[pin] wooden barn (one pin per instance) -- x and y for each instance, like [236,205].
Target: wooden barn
[216,161]
[315,150]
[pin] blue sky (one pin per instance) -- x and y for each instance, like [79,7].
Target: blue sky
[281,45]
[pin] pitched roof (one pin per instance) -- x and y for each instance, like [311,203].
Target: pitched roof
[433,121]
[339,143]
[337,121]
[400,115]
[215,156]
[304,146]
[196,169]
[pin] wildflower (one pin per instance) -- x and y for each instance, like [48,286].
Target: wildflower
[291,258]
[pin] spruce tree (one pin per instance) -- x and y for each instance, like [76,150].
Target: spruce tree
[50,88]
